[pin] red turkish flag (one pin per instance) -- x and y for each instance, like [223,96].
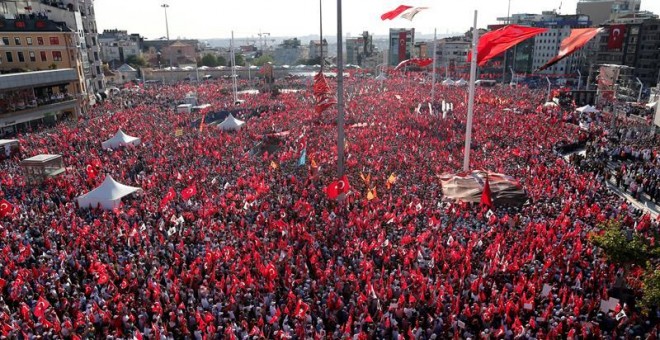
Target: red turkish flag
[486,195]
[91,171]
[188,192]
[168,197]
[578,38]
[5,208]
[617,35]
[337,188]
[40,308]
[498,41]
[421,62]
[395,13]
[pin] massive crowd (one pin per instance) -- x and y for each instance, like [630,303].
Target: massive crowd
[259,251]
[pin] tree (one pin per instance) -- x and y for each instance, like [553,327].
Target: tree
[238,58]
[209,60]
[136,61]
[626,248]
[262,60]
[619,248]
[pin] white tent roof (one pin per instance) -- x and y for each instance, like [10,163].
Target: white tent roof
[461,82]
[448,82]
[108,194]
[120,139]
[231,123]
[586,109]
[548,104]
[652,105]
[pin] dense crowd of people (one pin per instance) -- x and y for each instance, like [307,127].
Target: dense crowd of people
[258,250]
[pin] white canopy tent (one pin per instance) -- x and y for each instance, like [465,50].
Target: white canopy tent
[461,82]
[651,105]
[448,82]
[586,109]
[120,139]
[550,104]
[108,195]
[231,124]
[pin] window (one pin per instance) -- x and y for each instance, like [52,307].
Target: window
[21,57]
[54,40]
[5,41]
[17,40]
[42,54]
[57,56]
[96,56]
[33,57]
[10,58]
[40,40]
[28,40]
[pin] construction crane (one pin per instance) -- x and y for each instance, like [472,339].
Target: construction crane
[263,36]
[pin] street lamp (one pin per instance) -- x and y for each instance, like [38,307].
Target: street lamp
[167,26]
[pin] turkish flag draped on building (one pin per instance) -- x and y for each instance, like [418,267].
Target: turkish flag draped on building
[188,192]
[496,42]
[421,62]
[395,13]
[617,34]
[578,38]
[324,97]
[337,188]
[5,208]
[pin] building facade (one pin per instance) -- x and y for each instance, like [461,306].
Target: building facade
[118,45]
[601,11]
[289,52]
[42,76]
[79,16]
[317,47]
[359,49]
[401,45]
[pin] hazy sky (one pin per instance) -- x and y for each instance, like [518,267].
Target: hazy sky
[217,18]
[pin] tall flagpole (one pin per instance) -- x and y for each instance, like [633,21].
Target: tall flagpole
[321,33]
[470,113]
[233,69]
[435,44]
[340,94]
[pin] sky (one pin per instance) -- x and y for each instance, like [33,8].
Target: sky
[205,19]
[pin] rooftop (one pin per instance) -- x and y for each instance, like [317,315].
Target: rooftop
[32,23]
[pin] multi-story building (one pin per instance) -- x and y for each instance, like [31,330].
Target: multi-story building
[165,53]
[42,76]
[359,49]
[639,48]
[318,48]
[401,45]
[600,11]
[422,49]
[118,45]
[79,16]
[453,50]
[289,52]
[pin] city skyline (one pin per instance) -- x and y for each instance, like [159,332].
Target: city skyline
[200,19]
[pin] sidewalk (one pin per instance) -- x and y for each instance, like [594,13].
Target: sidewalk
[644,203]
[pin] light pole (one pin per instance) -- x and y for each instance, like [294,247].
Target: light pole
[167,26]
[340,93]
[579,80]
[641,87]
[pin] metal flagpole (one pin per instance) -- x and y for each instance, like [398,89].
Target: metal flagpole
[470,113]
[321,33]
[435,44]
[340,94]
[233,69]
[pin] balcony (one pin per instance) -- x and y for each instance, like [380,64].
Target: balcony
[38,112]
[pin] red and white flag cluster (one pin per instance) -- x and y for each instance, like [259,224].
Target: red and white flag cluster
[403,11]
[421,62]
[324,97]
[578,38]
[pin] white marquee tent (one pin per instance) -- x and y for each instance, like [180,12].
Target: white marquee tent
[231,124]
[120,139]
[108,195]
[461,82]
[448,82]
[586,109]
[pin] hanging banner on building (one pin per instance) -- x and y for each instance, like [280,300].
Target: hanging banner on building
[617,35]
[606,80]
[402,46]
